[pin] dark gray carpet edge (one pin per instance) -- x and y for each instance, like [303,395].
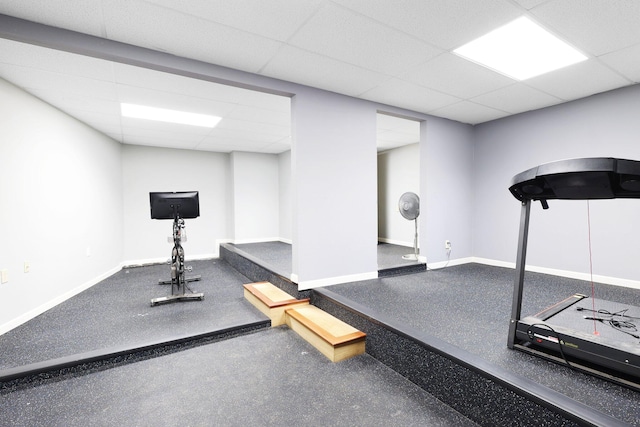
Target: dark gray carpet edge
[258,270]
[63,368]
[479,390]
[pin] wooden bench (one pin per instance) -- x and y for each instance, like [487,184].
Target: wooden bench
[331,336]
[271,300]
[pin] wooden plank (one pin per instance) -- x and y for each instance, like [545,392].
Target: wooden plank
[273,310]
[334,331]
[333,353]
[269,294]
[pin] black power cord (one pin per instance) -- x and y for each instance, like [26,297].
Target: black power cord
[531,336]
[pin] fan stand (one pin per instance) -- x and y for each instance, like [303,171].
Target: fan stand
[414,255]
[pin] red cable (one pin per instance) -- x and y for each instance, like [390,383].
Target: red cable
[593,290]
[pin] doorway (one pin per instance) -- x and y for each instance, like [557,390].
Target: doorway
[398,146]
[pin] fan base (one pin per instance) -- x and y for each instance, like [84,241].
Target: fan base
[412,257]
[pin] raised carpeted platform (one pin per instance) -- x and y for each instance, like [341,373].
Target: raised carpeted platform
[116,313]
[440,326]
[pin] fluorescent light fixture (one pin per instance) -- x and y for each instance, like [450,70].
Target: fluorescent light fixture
[521,50]
[170,116]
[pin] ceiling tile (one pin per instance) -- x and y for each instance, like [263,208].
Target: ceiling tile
[396,138]
[105,123]
[262,100]
[162,143]
[516,98]
[299,66]
[133,126]
[288,14]
[66,102]
[245,137]
[386,122]
[349,37]
[469,112]
[456,76]
[625,62]
[145,78]
[407,95]
[83,16]
[529,4]
[172,83]
[260,115]
[64,84]
[443,23]
[167,135]
[31,78]
[229,143]
[372,49]
[393,132]
[578,80]
[269,130]
[276,148]
[158,28]
[173,101]
[594,26]
[162,133]
[27,55]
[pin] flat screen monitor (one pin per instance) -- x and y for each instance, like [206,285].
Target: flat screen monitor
[166,205]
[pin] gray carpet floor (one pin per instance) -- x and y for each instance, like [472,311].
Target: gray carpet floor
[269,377]
[467,305]
[117,312]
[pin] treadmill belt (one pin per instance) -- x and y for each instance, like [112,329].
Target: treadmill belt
[614,324]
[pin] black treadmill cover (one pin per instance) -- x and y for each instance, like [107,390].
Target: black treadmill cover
[579,179]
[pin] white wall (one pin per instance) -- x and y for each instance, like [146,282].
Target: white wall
[147,169]
[60,205]
[334,188]
[604,125]
[446,190]
[255,197]
[398,173]
[284,196]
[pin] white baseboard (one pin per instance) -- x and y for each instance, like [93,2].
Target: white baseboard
[450,263]
[25,317]
[607,280]
[310,284]
[164,260]
[493,262]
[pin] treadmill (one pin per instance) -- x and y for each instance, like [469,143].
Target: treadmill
[564,332]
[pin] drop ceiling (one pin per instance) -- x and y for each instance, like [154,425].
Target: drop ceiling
[392,52]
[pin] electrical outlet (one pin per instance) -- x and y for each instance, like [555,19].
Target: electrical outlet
[27,267]
[4,275]
[447,245]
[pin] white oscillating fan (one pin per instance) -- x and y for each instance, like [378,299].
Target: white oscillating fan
[409,206]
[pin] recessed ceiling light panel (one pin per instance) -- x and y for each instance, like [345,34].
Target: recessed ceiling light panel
[170,116]
[521,50]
